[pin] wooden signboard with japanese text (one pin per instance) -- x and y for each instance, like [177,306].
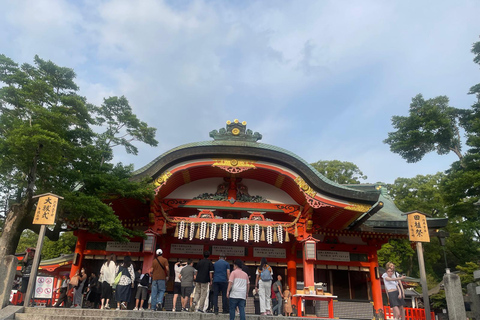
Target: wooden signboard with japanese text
[46,210]
[418,228]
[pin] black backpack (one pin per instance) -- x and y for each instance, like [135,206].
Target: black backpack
[145,280]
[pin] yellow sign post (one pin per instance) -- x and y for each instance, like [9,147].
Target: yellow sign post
[417,227]
[418,232]
[44,215]
[46,210]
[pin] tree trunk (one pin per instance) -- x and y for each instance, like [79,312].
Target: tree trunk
[12,230]
[18,212]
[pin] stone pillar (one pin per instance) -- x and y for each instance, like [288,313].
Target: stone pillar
[454,296]
[8,268]
[474,300]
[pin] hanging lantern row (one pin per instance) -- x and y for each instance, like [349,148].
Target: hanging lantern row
[236,232]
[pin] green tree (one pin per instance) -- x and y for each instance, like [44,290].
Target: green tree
[51,249]
[48,144]
[399,252]
[342,172]
[420,193]
[433,125]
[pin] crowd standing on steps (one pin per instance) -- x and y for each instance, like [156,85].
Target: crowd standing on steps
[193,285]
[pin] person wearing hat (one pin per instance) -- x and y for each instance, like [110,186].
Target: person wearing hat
[160,272]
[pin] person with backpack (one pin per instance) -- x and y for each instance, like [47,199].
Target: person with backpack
[124,287]
[264,285]
[107,274]
[160,272]
[142,291]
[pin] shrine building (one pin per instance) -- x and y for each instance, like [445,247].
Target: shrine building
[248,200]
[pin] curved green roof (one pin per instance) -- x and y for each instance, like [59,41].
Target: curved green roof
[247,148]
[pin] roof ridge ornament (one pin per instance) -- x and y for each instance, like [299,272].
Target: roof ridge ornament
[235,131]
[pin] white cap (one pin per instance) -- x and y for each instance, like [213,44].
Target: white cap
[159,252]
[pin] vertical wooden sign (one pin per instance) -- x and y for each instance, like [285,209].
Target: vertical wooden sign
[46,210]
[418,228]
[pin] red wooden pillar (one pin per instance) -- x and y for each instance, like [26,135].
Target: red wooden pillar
[375,280]
[79,248]
[147,261]
[292,268]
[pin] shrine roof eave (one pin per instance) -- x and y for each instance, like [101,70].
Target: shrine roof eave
[391,226]
[253,151]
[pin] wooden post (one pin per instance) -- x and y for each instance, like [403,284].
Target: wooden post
[423,280]
[36,262]
[45,214]
[418,231]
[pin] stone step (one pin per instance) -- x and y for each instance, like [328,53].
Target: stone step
[78,314]
[42,313]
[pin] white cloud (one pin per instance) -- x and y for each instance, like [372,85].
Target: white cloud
[320,78]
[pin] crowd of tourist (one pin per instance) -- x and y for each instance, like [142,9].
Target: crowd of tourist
[198,287]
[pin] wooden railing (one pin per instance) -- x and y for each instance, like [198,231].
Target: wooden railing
[410,313]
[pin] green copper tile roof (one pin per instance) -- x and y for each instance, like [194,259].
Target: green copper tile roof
[256,145]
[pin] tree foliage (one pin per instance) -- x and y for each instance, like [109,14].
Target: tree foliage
[342,172]
[52,140]
[51,249]
[434,125]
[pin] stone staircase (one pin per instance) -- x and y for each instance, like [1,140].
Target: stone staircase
[39,313]
[42,313]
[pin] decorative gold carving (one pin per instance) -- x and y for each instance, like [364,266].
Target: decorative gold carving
[305,187]
[235,131]
[162,179]
[234,165]
[358,207]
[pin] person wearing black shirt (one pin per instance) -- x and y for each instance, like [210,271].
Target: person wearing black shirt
[203,280]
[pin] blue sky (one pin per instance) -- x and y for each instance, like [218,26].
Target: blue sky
[319,78]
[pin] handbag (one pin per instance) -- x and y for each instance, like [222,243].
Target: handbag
[74,281]
[117,279]
[119,276]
